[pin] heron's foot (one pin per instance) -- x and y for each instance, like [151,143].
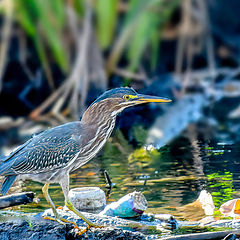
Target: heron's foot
[71,222]
[85,219]
[82,231]
[59,220]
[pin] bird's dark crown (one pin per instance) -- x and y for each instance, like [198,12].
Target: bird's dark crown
[116,93]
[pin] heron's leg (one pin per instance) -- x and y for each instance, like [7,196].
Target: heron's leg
[65,187]
[50,202]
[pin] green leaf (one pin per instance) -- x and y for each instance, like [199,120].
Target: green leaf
[24,17]
[58,7]
[154,41]
[52,32]
[151,17]
[40,50]
[146,23]
[45,19]
[106,15]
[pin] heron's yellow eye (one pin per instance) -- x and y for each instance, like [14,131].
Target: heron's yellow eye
[126,97]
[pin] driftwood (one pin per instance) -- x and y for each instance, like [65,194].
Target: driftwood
[16,199]
[203,236]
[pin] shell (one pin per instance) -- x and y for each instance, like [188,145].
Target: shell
[87,198]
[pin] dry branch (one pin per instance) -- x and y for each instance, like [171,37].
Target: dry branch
[16,199]
[72,83]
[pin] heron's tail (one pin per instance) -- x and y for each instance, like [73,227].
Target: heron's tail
[8,181]
[4,166]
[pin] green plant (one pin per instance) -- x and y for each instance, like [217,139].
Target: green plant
[221,185]
[106,19]
[44,22]
[124,31]
[142,26]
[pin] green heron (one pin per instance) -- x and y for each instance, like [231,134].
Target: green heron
[50,156]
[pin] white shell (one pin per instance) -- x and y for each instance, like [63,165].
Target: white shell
[87,198]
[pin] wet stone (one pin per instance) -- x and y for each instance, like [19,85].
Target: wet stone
[20,229]
[110,234]
[45,230]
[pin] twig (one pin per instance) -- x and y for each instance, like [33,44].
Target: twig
[209,42]
[109,183]
[127,74]
[232,74]
[122,40]
[45,62]
[184,28]
[205,73]
[80,68]
[16,199]
[190,34]
[36,112]
[79,72]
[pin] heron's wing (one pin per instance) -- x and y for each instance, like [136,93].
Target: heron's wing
[7,161]
[50,150]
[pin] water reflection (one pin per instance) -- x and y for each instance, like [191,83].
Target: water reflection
[170,177]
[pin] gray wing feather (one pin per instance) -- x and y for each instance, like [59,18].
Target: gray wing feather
[50,150]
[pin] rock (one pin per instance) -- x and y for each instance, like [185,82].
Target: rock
[45,230]
[19,226]
[148,222]
[111,234]
[20,229]
[167,221]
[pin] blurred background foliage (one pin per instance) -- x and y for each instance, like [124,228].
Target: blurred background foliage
[141,25]
[44,22]
[60,36]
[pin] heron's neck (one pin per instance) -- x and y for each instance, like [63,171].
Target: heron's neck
[100,118]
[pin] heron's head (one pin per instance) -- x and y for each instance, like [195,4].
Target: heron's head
[116,100]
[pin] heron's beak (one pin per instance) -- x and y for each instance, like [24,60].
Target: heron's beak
[148,99]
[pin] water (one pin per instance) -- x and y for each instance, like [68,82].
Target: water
[169,177]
